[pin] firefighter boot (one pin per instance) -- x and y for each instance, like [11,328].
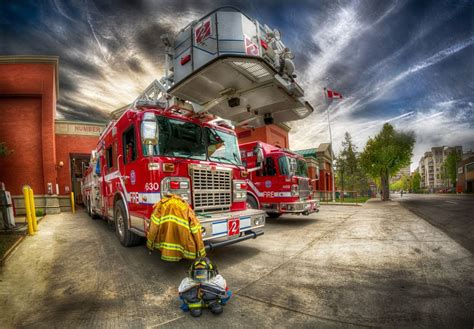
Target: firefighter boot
[195,312]
[216,308]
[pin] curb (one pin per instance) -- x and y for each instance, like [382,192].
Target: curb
[343,204]
[15,245]
[11,249]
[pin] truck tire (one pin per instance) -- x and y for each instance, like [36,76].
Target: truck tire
[126,238]
[251,202]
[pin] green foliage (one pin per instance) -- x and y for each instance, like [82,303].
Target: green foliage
[4,150]
[451,166]
[396,186]
[402,184]
[349,174]
[416,182]
[39,212]
[386,153]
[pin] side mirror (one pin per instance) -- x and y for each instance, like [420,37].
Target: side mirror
[259,153]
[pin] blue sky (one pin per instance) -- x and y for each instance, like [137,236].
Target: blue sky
[410,63]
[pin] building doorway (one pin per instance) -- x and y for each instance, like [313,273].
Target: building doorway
[77,161]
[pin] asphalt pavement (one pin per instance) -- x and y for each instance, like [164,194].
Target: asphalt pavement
[376,265]
[451,213]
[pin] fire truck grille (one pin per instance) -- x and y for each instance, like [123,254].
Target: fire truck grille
[212,189]
[304,188]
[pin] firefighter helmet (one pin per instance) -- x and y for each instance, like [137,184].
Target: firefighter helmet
[202,270]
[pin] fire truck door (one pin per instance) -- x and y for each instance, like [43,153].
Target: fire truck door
[134,183]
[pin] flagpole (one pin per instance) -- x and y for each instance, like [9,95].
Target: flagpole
[332,153]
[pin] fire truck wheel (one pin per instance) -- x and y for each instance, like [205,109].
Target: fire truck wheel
[251,202]
[274,214]
[124,235]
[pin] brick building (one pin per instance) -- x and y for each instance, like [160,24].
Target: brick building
[320,159]
[46,152]
[276,135]
[465,175]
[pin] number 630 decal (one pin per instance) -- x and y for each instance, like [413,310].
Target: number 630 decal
[152,186]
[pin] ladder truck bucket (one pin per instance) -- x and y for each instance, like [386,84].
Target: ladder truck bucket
[231,66]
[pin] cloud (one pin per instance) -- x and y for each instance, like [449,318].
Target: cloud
[401,62]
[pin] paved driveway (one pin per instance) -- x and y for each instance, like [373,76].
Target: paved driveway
[375,265]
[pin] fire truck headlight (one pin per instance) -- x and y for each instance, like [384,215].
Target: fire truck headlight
[184,185]
[259,220]
[240,191]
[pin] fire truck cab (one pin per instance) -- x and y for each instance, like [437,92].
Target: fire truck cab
[150,151]
[278,180]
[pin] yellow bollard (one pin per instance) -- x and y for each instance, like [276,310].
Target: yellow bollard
[73,209]
[33,210]
[28,209]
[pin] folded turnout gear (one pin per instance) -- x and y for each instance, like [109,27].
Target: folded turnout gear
[204,287]
[175,230]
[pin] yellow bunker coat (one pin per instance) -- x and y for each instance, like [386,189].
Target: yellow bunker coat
[175,230]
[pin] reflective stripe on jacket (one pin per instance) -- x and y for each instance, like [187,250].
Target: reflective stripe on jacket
[175,230]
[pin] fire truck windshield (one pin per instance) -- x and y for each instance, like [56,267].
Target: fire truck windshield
[290,166]
[222,147]
[302,169]
[183,139]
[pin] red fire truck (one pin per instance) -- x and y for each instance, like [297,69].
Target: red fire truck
[150,151]
[226,65]
[278,180]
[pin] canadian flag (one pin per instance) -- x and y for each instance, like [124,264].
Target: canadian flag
[332,94]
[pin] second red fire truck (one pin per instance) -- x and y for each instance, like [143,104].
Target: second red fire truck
[278,180]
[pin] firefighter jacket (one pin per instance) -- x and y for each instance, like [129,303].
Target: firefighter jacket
[175,230]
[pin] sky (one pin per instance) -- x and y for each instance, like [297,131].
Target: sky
[407,62]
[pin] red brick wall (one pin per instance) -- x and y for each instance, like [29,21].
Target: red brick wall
[20,128]
[65,146]
[271,134]
[24,80]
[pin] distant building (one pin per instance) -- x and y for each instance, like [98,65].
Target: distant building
[320,158]
[467,155]
[405,171]
[431,167]
[465,175]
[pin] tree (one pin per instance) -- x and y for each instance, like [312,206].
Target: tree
[402,184]
[349,173]
[416,182]
[450,163]
[4,150]
[386,153]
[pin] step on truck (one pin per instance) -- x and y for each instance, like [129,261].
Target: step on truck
[277,180]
